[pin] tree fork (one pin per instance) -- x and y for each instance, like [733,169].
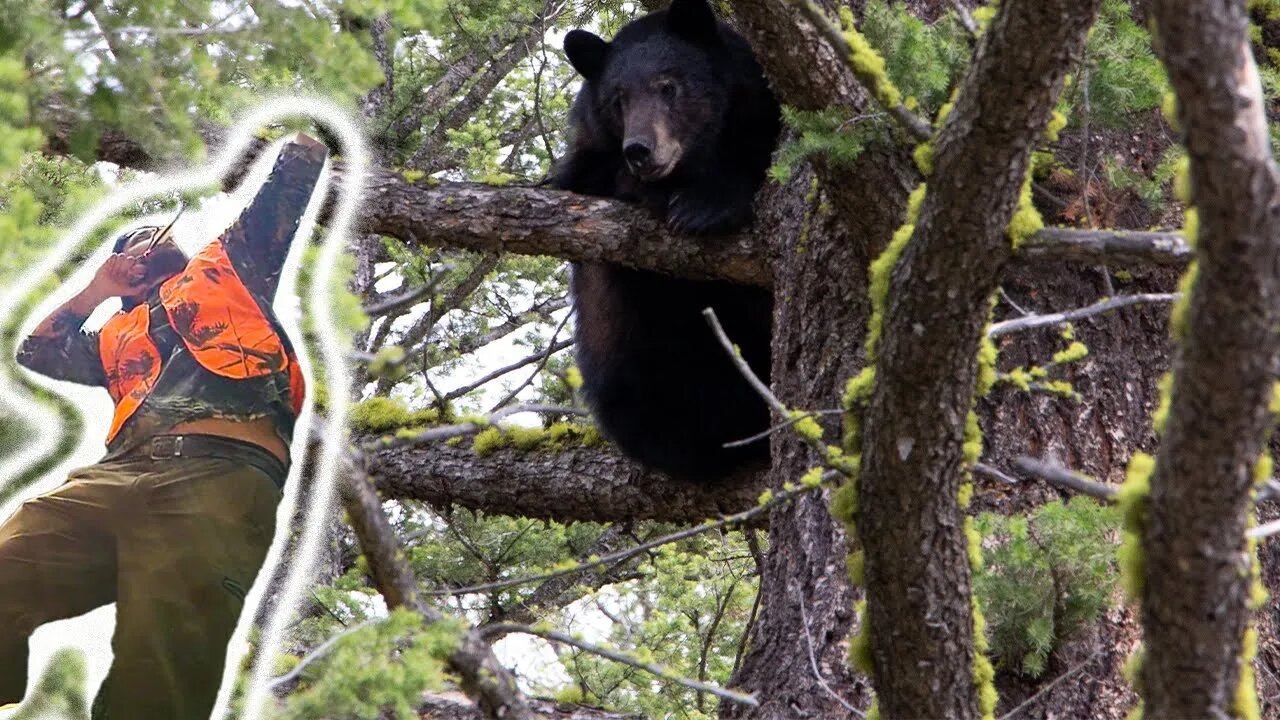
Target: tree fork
[910,521]
[1196,591]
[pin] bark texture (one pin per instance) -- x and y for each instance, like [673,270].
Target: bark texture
[1196,593]
[807,601]
[578,483]
[909,520]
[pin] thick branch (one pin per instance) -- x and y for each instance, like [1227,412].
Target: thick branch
[534,221]
[1196,593]
[917,569]
[1113,247]
[575,483]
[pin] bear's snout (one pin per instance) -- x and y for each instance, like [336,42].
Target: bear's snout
[638,152]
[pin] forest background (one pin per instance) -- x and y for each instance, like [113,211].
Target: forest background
[501,517]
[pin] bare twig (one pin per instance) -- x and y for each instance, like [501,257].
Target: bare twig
[780,426]
[407,299]
[511,396]
[994,473]
[317,653]
[1036,321]
[1021,310]
[966,19]
[614,655]
[536,357]
[763,390]
[1063,478]
[813,662]
[1264,530]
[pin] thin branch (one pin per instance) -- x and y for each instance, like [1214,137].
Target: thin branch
[551,350]
[445,432]
[965,18]
[761,389]
[994,473]
[481,676]
[511,396]
[317,653]
[735,519]
[1049,319]
[407,299]
[541,311]
[780,426]
[1264,530]
[813,662]
[1021,310]
[614,655]
[1063,478]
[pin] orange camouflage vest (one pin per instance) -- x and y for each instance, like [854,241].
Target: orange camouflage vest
[218,321]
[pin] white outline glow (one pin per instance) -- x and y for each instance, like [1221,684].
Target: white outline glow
[355,166]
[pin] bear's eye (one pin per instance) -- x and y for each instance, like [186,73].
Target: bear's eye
[617,104]
[668,89]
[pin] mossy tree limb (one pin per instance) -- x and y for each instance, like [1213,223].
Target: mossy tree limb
[910,522]
[570,483]
[1196,592]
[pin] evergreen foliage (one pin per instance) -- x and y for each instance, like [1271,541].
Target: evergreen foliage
[376,672]
[1125,77]
[924,60]
[1044,577]
[687,612]
[60,692]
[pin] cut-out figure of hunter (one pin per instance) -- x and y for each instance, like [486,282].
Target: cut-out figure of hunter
[175,521]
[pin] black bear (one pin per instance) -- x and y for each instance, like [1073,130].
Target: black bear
[675,115]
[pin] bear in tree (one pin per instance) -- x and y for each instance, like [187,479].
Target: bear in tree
[675,115]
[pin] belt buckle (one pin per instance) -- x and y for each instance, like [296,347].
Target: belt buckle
[166,446]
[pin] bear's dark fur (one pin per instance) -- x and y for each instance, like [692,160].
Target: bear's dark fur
[675,115]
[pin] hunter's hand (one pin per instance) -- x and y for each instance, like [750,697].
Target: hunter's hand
[308,141]
[119,276]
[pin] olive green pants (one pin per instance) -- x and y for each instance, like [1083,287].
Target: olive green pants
[175,543]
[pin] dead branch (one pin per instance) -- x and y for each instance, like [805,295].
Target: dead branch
[1066,479]
[1050,319]
[1114,247]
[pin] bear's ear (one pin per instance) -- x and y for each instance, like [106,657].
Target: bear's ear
[586,52]
[692,20]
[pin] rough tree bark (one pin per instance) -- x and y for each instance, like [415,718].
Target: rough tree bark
[582,484]
[1196,590]
[909,519]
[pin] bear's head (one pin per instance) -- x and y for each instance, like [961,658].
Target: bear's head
[660,88]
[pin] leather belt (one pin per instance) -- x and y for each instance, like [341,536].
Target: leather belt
[166,447]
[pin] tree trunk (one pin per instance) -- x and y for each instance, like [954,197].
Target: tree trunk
[1196,592]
